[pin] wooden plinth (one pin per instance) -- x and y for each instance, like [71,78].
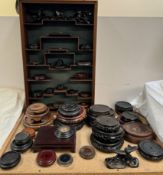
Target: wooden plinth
[46,139]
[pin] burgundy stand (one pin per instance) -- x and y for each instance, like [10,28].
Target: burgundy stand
[46,139]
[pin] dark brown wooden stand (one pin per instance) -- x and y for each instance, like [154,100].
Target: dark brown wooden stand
[46,139]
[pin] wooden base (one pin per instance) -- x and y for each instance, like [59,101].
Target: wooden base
[46,139]
[96,166]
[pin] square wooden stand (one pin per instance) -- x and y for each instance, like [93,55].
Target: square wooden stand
[46,139]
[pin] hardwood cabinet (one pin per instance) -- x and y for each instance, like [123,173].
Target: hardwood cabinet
[59,50]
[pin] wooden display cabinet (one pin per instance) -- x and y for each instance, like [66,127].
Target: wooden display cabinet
[59,50]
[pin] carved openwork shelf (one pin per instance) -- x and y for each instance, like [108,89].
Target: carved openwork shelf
[58,42]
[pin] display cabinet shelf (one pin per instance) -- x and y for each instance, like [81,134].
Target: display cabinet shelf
[71,95]
[48,95]
[51,69]
[81,51]
[35,98]
[59,37]
[81,80]
[30,80]
[33,24]
[59,69]
[33,50]
[45,21]
[56,92]
[84,98]
[60,91]
[76,66]
[55,45]
[38,65]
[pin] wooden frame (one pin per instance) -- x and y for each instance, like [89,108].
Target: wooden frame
[26,36]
